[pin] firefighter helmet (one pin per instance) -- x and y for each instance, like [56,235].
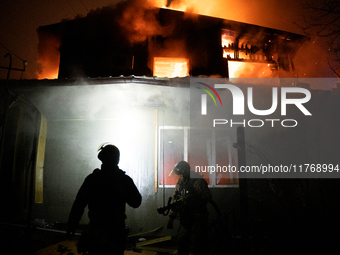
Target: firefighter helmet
[108,153]
[182,168]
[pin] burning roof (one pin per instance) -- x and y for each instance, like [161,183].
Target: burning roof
[111,42]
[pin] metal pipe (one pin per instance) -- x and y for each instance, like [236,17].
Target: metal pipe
[10,65]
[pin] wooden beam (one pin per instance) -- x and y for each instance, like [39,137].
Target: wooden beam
[156,150]
[153,241]
[39,169]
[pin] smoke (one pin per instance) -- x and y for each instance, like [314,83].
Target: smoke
[133,21]
[138,19]
[312,60]
[267,13]
[138,22]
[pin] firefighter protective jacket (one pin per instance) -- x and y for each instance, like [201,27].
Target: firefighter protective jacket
[106,192]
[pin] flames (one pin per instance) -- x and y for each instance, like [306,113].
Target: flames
[231,50]
[239,69]
[137,18]
[170,67]
[48,56]
[227,45]
[216,8]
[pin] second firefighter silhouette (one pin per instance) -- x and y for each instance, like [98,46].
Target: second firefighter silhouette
[192,196]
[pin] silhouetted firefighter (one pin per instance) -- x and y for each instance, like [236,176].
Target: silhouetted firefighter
[188,204]
[106,192]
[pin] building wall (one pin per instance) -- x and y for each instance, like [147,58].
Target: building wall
[81,117]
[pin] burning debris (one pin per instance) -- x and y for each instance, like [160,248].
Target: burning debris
[135,38]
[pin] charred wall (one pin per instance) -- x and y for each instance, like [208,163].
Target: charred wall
[99,48]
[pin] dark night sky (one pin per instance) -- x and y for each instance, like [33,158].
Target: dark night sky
[19,20]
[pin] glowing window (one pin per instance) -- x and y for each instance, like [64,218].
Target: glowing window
[170,67]
[227,39]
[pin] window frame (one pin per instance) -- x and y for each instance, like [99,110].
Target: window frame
[211,160]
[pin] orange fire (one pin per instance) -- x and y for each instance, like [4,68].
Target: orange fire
[170,67]
[49,56]
[48,74]
[230,49]
[239,69]
[220,9]
[140,25]
[227,42]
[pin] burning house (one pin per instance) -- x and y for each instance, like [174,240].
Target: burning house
[123,78]
[166,43]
